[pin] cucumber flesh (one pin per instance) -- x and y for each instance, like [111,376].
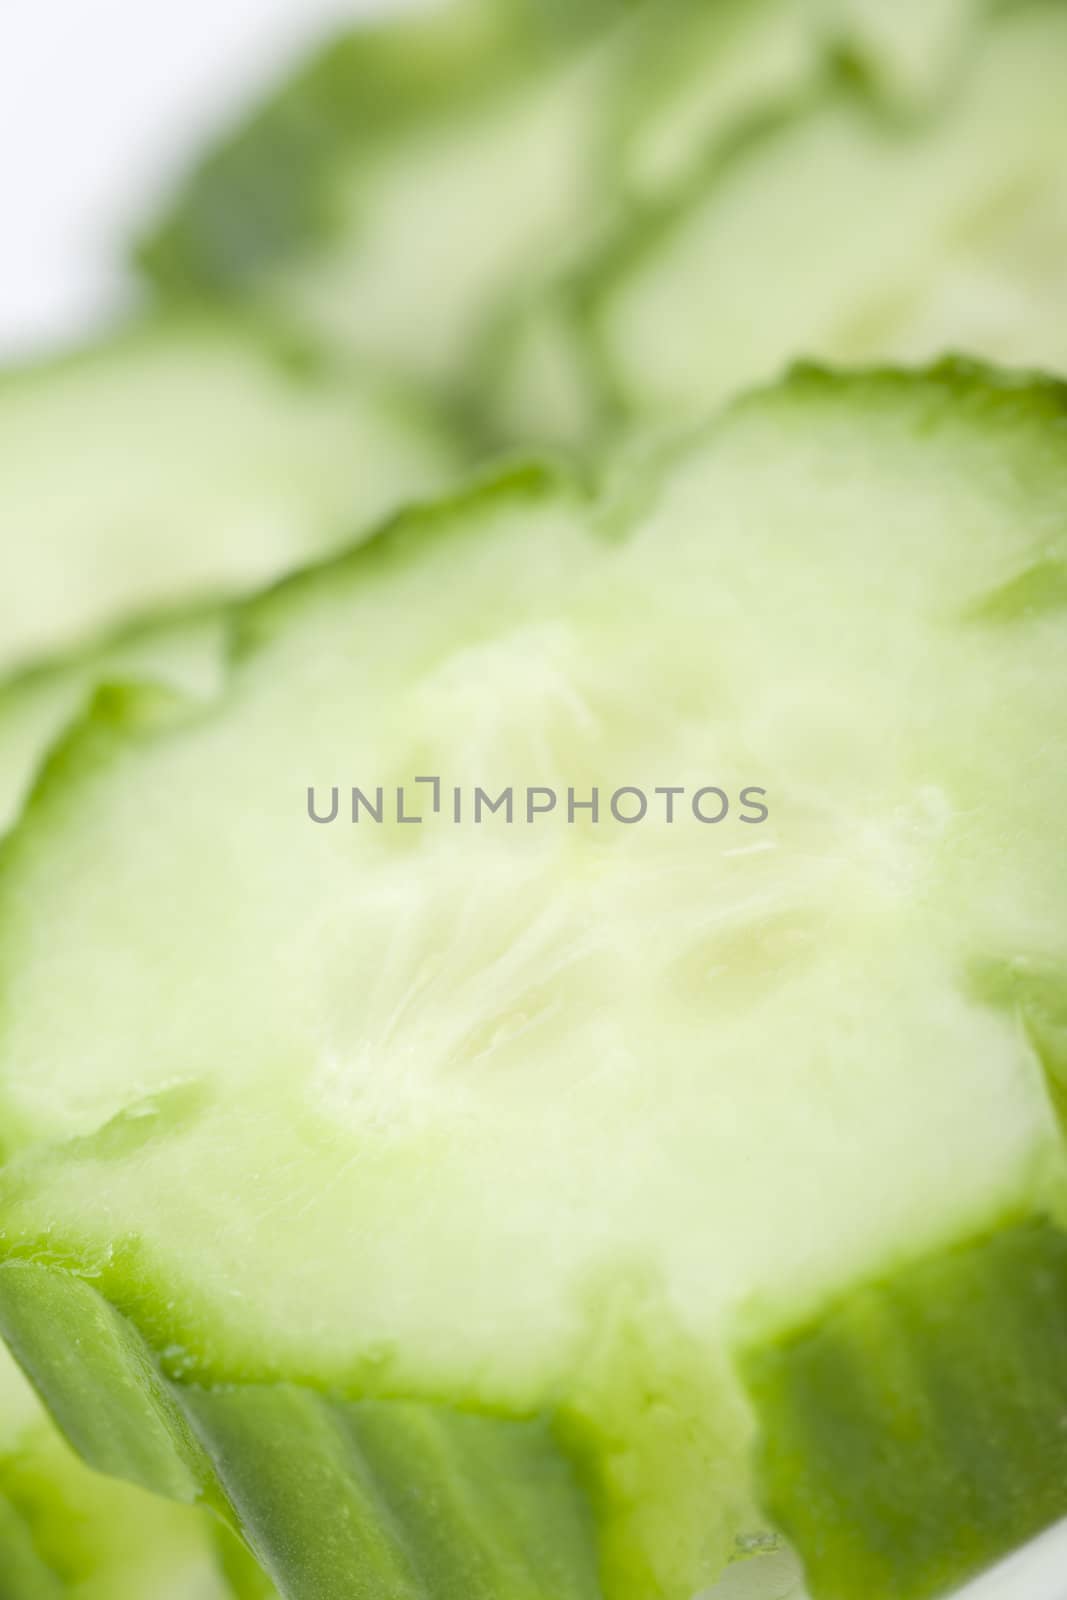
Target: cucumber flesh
[905,240]
[774,1574]
[196,462]
[428,1115]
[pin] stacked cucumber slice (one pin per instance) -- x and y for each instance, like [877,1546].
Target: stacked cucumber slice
[533,988]
[827,229]
[67,1531]
[149,479]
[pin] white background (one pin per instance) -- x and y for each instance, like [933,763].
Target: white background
[102,102]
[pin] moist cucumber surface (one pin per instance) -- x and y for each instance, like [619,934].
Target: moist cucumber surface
[196,461]
[829,231]
[367,1153]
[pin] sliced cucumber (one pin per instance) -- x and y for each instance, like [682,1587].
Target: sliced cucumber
[835,233]
[892,1363]
[194,460]
[187,656]
[416,179]
[406,178]
[374,1498]
[67,1533]
[704,73]
[909,50]
[350,1136]
[186,460]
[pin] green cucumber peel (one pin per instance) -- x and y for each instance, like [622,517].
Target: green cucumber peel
[69,1533]
[897,1458]
[335,1498]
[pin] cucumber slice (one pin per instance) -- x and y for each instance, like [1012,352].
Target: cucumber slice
[910,50]
[411,183]
[198,462]
[405,179]
[405,1500]
[243,1574]
[350,1132]
[891,1364]
[67,1533]
[705,73]
[187,656]
[904,241]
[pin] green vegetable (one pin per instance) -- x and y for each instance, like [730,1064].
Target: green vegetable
[186,460]
[197,461]
[67,1533]
[432,1198]
[827,231]
[396,189]
[412,183]
[38,706]
[704,72]
[183,460]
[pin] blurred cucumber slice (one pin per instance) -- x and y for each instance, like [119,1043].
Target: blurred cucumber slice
[179,463]
[186,460]
[412,182]
[832,232]
[705,72]
[399,184]
[545,1122]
